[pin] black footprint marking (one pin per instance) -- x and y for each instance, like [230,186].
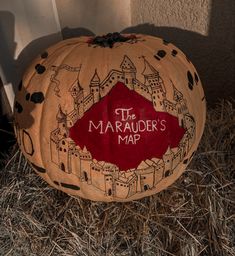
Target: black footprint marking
[67,185]
[165,42]
[174,53]
[160,54]
[196,77]
[37,97]
[40,68]
[39,169]
[70,186]
[44,55]
[190,80]
[18,107]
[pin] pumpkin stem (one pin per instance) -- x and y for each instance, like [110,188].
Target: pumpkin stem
[109,39]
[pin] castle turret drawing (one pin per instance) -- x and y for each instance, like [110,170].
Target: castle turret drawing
[129,72]
[95,87]
[78,95]
[159,167]
[167,158]
[145,174]
[155,82]
[58,135]
[109,185]
[85,168]
[62,125]
[181,107]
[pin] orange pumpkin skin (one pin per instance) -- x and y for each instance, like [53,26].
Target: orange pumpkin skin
[110,124]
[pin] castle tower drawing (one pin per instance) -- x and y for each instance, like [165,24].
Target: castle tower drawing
[159,167]
[95,87]
[58,134]
[74,163]
[109,185]
[63,152]
[125,186]
[85,168]
[180,105]
[62,125]
[111,173]
[78,96]
[145,174]
[153,79]
[129,72]
[167,158]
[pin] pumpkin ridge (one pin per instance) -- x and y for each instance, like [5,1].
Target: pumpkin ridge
[162,64]
[153,52]
[43,109]
[187,92]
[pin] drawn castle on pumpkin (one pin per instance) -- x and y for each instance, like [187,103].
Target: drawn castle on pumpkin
[71,159]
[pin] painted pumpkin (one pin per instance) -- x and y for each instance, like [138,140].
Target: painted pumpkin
[112,118]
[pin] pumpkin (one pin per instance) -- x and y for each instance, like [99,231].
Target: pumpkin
[110,118]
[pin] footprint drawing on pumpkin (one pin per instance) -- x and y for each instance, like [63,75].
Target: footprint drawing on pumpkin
[192,80]
[24,105]
[160,54]
[40,69]
[174,53]
[36,97]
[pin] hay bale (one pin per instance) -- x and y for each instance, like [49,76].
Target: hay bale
[194,216]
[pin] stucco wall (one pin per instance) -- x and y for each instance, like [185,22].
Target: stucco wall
[203,29]
[189,15]
[26,28]
[95,16]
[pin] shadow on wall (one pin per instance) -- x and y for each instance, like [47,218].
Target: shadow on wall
[38,46]
[13,70]
[7,46]
[212,55]
[9,64]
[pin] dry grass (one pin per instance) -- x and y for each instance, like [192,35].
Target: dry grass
[195,216]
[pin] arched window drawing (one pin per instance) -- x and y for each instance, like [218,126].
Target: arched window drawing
[146,187]
[62,167]
[85,176]
[167,173]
